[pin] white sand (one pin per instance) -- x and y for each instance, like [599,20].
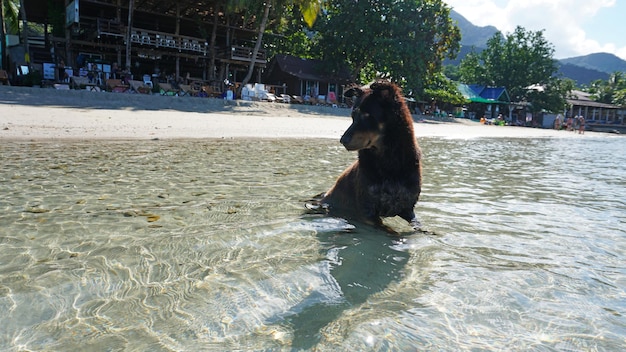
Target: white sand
[36,114]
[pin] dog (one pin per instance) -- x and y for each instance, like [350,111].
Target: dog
[386,179]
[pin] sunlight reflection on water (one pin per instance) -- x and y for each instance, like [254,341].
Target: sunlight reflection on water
[186,245]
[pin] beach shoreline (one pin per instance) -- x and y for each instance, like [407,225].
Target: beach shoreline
[49,114]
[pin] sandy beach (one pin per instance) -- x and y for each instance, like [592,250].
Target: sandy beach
[39,114]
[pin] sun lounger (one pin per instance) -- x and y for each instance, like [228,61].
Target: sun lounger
[189,90]
[167,89]
[269,97]
[77,82]
[296,99]
[116,86]
[285,98]
[138,87]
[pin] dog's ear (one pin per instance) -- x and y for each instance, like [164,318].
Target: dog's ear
[353,92]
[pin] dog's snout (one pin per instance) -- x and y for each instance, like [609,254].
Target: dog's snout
[345,139]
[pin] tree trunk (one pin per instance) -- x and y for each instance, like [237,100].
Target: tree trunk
[3,43]
[216,16]
[257,46]
[24,33]
[131,4]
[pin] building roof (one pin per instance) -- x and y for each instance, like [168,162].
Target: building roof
[481,94]
[580,98]
[309,69]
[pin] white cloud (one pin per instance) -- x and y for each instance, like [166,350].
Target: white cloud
[563,21]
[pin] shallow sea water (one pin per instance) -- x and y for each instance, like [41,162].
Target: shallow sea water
[206,245]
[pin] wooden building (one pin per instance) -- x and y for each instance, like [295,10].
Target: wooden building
[306,77]
[581,104]
[155,37]
[598,116]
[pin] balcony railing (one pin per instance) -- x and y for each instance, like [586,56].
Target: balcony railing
[242,53]
[166,40]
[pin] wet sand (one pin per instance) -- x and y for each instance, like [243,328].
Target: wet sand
[45,113]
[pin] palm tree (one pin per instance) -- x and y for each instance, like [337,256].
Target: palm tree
[9,24]
[309,9]
[257,45]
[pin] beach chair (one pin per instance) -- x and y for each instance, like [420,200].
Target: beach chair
[296,99]
[147,81]
[188,90]
[138,87]
[332,99]
[167,89]
[285,98]
[77,82]
[268,97]
[116,86]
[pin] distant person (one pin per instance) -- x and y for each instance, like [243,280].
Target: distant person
[568,124]
[557,123]
[62,74]
[93,74]
[115,71]
[581,125]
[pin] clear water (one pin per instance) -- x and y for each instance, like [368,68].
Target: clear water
[205,245]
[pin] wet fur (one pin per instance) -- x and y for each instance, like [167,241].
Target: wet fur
[385,181]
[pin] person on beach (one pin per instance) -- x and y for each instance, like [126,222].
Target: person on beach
[94,74]
[62,74]
[557,123]
[115,71]
[581,125]
[568,124]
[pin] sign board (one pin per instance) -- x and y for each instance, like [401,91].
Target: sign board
[71,13]
[48,71]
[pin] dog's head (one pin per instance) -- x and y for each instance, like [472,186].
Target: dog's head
[372,109]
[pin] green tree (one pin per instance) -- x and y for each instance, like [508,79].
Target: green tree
[443,90]
[309,9]
[290,35]
[611,91]
[9,24]
[551,96]
[10,16]
[516,61]
[404,41]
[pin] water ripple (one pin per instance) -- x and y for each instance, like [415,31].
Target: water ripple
[204,245]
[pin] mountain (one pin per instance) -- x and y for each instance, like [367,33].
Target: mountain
[473,38]
[602,62]
[472,35]
[582,69]
[581,75]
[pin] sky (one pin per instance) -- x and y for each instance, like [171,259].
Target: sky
[574,27]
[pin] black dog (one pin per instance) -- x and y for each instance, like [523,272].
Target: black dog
[385,181]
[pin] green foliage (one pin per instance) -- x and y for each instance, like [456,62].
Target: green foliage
[404,41]
[443,90]
[517,61]
[452,72]
[611,91]
[288,34]
[552,96]
[11,16]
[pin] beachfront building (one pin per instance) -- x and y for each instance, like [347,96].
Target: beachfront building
[487,102]
[597,115]
[307,78]
[178,39]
